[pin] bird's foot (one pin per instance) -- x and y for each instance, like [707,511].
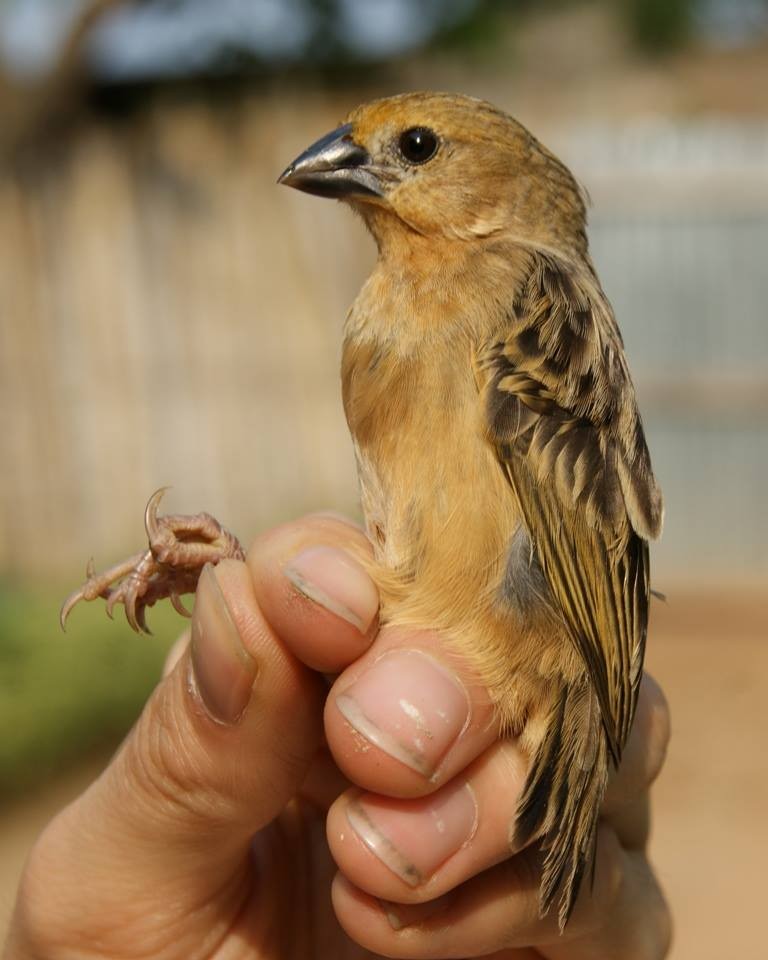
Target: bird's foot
[179,548]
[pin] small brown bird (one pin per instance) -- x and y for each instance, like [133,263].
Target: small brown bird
[505,479]
[504,474]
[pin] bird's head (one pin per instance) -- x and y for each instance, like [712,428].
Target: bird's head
[442,165]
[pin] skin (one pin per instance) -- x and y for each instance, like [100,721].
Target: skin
[205,835]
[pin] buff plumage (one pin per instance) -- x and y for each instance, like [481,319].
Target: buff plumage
[504,474]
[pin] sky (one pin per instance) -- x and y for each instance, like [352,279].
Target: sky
[175,37]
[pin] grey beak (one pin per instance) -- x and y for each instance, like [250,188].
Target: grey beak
[334,166]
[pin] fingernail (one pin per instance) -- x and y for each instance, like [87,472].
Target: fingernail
[222,670]
[333,579]
[401,915]
[409,706]
[414,842]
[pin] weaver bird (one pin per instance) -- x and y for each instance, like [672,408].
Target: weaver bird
[505,479]
[504,474]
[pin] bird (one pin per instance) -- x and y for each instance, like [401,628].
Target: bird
[504,475]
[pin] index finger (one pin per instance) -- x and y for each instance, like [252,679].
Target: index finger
[314,592]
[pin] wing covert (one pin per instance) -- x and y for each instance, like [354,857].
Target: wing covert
[562,414]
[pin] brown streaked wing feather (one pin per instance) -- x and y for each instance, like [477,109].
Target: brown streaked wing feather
[562,414]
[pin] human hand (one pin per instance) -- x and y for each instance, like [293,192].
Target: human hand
[204,837]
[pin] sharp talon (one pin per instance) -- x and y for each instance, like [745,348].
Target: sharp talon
[150,514]
[130,612]
[178,605]
[141,618]
[66,608]
[178,547]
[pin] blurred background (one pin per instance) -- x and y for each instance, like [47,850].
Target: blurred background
[168,316]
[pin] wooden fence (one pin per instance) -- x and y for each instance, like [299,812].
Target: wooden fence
[169,316]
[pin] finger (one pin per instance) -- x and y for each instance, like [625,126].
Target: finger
[632,823]
[315,592]
[415,850]
[623,915]
[324,782]
[646,748]
[220,748]
[626,804]
[409,715]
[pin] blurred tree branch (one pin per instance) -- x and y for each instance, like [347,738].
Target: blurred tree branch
[29,113]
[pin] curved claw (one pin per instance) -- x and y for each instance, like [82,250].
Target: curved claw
[178,605]
[141,619]
[178,547]
[66,608]
[129,602]
[109,606]
[150,514]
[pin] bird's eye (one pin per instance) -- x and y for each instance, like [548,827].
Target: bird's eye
[418,144]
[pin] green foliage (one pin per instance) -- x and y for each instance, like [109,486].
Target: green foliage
[658,25]
[65,696]
[476,32]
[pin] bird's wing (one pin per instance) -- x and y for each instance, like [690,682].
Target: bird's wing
[561,412]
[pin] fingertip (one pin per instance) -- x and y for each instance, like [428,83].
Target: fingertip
[223,668]
[408,715]
[333,579]
[321,527]
[312,584]
[646,749]
[344,894]
[339,518]
[655,720]
[362,917]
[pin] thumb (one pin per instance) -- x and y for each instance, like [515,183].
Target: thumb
[220,748]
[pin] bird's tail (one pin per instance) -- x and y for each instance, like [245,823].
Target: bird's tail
[562,796]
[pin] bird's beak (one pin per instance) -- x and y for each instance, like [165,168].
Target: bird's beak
[335,166]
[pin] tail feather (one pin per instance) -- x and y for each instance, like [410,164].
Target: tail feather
[562,796]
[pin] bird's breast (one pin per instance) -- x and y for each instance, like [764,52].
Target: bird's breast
[437,506]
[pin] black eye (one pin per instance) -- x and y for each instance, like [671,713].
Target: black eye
[418,144]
